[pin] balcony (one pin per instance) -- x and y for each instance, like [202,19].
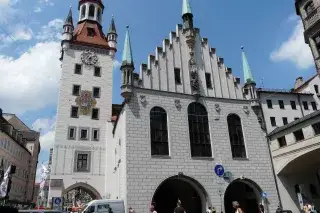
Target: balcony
[312,18]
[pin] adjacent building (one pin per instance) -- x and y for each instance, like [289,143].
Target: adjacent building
[19,146]
[309,11]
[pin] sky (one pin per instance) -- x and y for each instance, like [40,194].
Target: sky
[30,32]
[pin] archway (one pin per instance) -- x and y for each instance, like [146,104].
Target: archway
[246,192]
[190,192]
[78,194]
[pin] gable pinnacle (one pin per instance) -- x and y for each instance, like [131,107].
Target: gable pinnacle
[69,19]
[186,7]
[127,58]
[112,27]
[248,79]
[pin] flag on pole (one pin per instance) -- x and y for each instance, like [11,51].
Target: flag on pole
[4,183]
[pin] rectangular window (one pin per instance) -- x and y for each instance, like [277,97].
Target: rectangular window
[95,114]
[78,69]
[281,104]
[95,134]
[84,133]
[74,112]
[82,163]
[208,80]
[177,76]
[316,89]
[269,104]
[282,141]
[76,90]
[96,92]
[72,133]
[285,120]
[97,71]
[309,8]
[273,121]
[293,104]
[314,105]
[91,32]
[298,135]
[305,105]
[316,128]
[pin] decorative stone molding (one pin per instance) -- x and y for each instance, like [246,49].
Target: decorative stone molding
[246,109]
[177,104]
[86,102]
[89,58]
[143,100]
[217,108]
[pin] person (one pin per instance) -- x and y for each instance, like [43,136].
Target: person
[236,206]
[261,208]
[213,210]
[153,208]
[179,208]
[209,210]
[131,210]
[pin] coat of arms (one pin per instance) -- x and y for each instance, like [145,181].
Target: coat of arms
[85,101]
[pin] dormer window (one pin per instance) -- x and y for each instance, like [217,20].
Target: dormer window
[309,8]
[83,11]
[91,11]
[91,32]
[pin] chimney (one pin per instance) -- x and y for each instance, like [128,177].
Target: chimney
[298,83]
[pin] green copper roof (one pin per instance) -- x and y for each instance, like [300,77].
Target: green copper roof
[186,8]
[127,52]
[246,69]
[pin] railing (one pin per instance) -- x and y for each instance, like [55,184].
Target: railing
[312,18]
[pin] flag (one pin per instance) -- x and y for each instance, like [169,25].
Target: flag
[4,183]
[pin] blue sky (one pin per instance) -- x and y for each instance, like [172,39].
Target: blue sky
[29,46]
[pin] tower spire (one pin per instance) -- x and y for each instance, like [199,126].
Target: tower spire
[127,58]
[112,27]
[187,15]
[69,19]
[246,69]
[186,8]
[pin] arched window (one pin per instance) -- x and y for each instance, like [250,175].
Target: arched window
[91,10]
[159,131]
[83,11]
[238,148]
[199,131]
[99,14]
[309,8]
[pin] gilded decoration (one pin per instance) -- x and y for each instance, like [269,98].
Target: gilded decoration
[89,58]
[86,102]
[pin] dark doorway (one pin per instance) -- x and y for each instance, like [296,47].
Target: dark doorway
[244,194]
[168,193]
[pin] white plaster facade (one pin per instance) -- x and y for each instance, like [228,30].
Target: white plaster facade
[312,85]
[297,162]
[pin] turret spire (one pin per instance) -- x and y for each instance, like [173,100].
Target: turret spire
[187,15]
[112,27]
[186,8]
[246,69]
[69,19]
[127,58]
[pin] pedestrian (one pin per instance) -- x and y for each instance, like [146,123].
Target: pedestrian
[236,206]
[153,208]
[209,210]
[213,210]
[179,208]
[131,210]
[261,208]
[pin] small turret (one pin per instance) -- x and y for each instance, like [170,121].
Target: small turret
[187,15]
[68,29]
[112,37]
[249,88]
[127,69]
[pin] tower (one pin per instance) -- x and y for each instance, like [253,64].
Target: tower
[127,68]
[309,12]
[84,107]
[249,88]
[112,35]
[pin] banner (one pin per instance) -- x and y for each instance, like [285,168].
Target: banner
[4,184]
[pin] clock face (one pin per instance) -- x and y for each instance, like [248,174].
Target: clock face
[89,58]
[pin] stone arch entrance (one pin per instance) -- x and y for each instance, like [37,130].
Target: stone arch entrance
[246,192]
[190,192]
[78,194]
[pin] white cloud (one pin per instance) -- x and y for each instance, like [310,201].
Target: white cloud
[51,31]
[116,64]
[46,126]
[40,171]
[294,49]
[7,11]
[37,10]
[30,82]
[47,2]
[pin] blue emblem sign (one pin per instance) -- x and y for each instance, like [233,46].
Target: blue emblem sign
[263,194]
[219,170]
[57,201]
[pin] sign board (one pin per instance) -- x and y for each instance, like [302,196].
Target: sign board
[57,203]
[219,170]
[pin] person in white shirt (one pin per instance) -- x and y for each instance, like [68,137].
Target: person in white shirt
[209,210]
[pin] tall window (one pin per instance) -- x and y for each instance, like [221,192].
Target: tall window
[91,11]
[159,131]
[269,104]
[238,148]
[316,89]
[305,105]
[208,80]
[199,131]
[316,128]
[298,135]
[177,75]
[293,104]
[314,105]
[83,11]
[309,7]
[281,104]
[99,14]
[82,162]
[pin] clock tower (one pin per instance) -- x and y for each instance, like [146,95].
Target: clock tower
[78,168]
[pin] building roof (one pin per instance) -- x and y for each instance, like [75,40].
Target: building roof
[186,7]
[305,83]
[81,34]
[127,58]
[282,91]
[94,1]
[296,122]
[246,69]
[69,19]
[112,27]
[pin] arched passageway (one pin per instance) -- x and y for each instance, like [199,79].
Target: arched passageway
[246,192]
[79,194]
[188,191]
